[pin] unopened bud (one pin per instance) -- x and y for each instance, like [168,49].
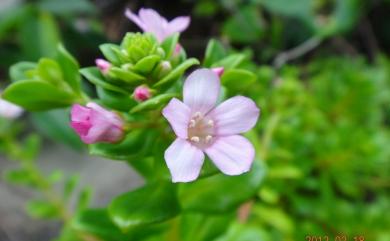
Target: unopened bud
[103,65]
[142,93]
[218,70]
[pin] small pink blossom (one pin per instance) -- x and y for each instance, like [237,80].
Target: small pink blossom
[103,65]
[142,93]
[152,22]
[202,127]
[218,70]
[9,110]
[94,124]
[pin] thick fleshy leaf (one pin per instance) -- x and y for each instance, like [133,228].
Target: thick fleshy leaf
[233,155]
[201,90]
[110,52]
[169,45]
[176,73]
[204,227]
[236,115]
[220,193]
[127,149]
[184,160]
[150,204]
[230,62]
[115,100]
[35,95]
[238,79]
[126,76]
[214,52]
[153,103]
[19,70]
[178,115]
[147,64]
[70,68]
[97,222]
[94,76]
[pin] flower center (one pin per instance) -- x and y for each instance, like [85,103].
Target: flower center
[200,130]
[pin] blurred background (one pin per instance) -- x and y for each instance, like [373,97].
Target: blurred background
[323,85]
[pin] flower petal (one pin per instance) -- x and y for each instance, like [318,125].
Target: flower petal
[233,155]
[101,114]
[178,115]
[135,19]
[154,23]
[103,133]
[235,115]
[79,113]
[201,90]
[184,161]
[179,24]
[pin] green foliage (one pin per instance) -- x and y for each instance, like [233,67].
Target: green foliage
[153,203]
[220,193]
[46,85]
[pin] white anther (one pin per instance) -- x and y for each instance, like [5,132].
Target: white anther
[197,115]
[210,123]
[195,139]
[208,138]
[192,123]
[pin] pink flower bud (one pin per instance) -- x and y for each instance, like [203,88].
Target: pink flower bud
[142,93]
[94,124]
[103,65]
[218,70]
[177,50]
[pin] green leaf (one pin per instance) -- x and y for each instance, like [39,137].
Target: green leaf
[54,124]
[19,70]
[70,185]
[115,100]
[230,62]
[42,209]
[153,103]
[98,223]
[35,95]
[146,65]
[177,72]
[70,68]
[244,232]
[39,35]
[200,227]
[126,76]
[84,198]
[93,75]
[50,71]
[150,204]
[237,80]
[221,193]
[130,147]
[19,176]
[169,45]
[245,26]
[109,52]
[214,52]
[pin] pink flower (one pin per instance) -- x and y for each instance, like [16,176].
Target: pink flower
[152,22]
[9,110]
[218,70]
[201,127]
[94,124]
[103,65]
[142,93]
